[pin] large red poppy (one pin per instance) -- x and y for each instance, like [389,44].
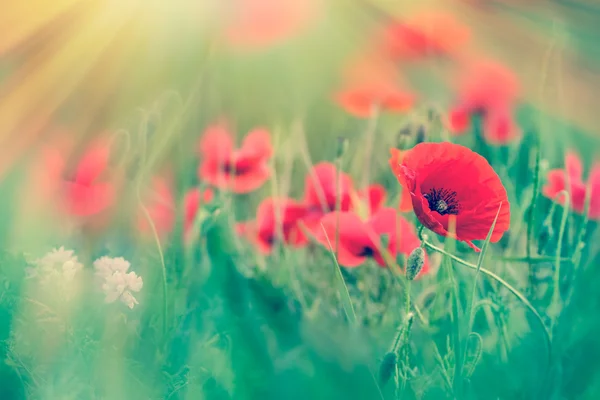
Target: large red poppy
[78,182]
[240,170]
[359,240]
[160,205]
[276,221]
[445,181]
[256,24]
[372,83]
[571,179]
[321,193]
[424,34]
[491,90]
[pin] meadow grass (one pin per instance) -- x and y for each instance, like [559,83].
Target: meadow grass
[218,320]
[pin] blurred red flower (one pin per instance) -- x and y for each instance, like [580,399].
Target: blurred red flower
[240,170]
[79,184]
[192,201]
[256,24]
[276,221]
[373,197]
[424,34]
[160,204]
[360,239]
[491,90]
[370,83]
[448,181]
[321,193]
[571,179]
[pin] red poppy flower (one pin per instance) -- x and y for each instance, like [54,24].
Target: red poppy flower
[276,220]
[254,24]
[491,90]
[424,34]
[571,179]
[192,201]
[240,170]
[360,239]
[321,193]
[160,204]
[447,181]
[80,186]
[372,83]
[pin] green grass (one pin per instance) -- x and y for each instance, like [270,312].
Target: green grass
[216,320]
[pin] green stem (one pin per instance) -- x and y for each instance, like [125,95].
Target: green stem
[507,285]
[163,265]
[532,260]
[531,220]
[579,243]
[563,223]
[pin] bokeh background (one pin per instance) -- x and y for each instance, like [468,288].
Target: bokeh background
[154,74]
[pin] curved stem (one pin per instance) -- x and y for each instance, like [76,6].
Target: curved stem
[162,261]
[507,285]
[531,220]
[561,233]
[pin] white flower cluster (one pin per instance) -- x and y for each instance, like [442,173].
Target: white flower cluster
[117,282]
[57,266]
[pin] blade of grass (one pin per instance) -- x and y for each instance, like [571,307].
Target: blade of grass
[532,206]
[556,298]
[508,286]
[471,301]
[347,301]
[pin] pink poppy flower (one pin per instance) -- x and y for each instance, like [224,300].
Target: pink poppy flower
[571,179]
[241,170]
[276,221]
[491,90]
[359,240]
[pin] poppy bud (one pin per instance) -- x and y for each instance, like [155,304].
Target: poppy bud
[342,146]
[421,134]
[415,262]
[433,114]
[411,134]
[386,369]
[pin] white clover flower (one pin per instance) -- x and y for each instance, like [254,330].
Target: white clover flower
[118,284]
[106,266]
[59,264]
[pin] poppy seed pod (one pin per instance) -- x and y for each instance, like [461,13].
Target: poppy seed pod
[386,369]
[415,262]
[411,134]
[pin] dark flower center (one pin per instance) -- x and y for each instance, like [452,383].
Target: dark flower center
[443,201]
[367,252]
[232,168]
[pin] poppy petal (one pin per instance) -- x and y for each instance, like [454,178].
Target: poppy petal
[573,166]
[321,188]
[216,142]
[499,127]
[84,200]
[353,238]
[93,163]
